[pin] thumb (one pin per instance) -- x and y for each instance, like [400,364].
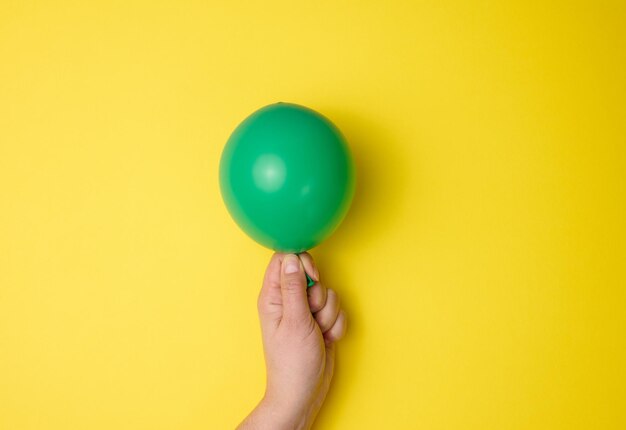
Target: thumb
[293,289]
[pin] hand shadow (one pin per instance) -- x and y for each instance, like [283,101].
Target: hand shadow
[381,172]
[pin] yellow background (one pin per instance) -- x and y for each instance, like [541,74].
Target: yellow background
[482,264]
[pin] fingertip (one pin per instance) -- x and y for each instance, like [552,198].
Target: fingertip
[291,264]
[309,265]
[293,287]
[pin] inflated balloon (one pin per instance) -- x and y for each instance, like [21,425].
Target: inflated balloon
[287,177]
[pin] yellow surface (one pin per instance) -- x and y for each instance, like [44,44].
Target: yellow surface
[482,265]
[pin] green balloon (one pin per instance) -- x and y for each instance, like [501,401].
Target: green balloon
[287,177]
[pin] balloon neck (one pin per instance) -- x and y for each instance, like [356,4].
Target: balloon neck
[309,281]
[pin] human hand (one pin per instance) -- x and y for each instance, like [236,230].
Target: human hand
[300,327]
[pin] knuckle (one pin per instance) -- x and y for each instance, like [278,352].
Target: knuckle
[325,324]
[343,320]
[316,303]
[332,297]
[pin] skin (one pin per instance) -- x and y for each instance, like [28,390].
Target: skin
[299,329]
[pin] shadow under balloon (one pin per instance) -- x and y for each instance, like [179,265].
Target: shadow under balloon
[381,178]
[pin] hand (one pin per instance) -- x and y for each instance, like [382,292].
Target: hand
[299,328]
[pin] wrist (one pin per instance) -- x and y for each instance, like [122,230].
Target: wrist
[271,414]
[285,415]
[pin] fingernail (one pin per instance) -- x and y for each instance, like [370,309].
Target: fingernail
[292,264]
[316,274]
